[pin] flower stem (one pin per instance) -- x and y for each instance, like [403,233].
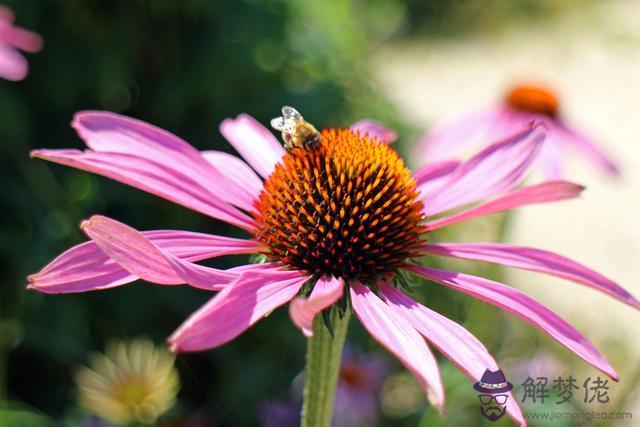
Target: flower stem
[324,354]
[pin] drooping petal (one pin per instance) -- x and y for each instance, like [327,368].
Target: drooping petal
[585,146]
[236,170]
[86,267]
[446,142]
[516,302]
[454,341]
[534,260]
[272,265]
[236,308]
[551,160]
[400,338]
[20,38]
[434,170]
[497,168]
[433,175]
[324,294]
[149,176]
[6,14]
[13,66]
[141,257]
[375,130]
[113,133]
[255,143]
[539,193]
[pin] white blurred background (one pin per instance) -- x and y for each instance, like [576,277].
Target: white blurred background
[591,56]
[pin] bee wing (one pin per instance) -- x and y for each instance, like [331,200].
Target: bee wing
[291,114]
[283,124]
[278,123]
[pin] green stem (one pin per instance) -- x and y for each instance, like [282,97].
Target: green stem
[324,354]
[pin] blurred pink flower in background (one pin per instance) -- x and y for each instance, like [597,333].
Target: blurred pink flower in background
[13,66]
[540,364]
[346,215]
[521,106]
[357,394]
[377,129]
[280,412]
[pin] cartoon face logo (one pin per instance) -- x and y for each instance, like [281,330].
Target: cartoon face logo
[493,388]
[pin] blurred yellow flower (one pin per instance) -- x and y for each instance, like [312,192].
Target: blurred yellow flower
[132,382]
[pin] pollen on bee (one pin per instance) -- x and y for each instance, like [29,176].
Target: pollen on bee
[345,208]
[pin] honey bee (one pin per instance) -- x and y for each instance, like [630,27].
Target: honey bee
[296,132]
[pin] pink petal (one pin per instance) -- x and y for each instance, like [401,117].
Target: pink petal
[516,302]
[446,142]
[255,143]
[113,133]
[6,14]
[141,257]
[13,66]
[589,149]
[434,170]
[496,169]
[152,177]
[235,170]
[86,267]
[540,193]
[16,36]
[454,341]
[551,159]
[20,38]
[375,130]
[399,337]
[273,265]
[433,175]
[324,294]
[535,260]
[236,308]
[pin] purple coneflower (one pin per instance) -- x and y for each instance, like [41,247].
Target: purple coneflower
[522,105]
[13,66]
[337,223]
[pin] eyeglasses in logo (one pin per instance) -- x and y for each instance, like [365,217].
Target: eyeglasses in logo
[494,389]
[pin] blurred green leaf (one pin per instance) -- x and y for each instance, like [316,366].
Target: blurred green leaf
[15,414]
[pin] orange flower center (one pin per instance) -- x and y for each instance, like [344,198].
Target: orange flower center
[533,99]
[345,208]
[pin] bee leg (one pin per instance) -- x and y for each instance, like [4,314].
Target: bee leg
[288,142]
